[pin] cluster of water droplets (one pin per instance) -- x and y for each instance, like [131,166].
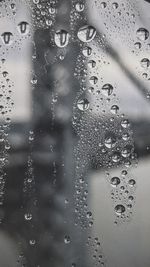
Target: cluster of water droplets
[105,134]
[6,107]
[117,19]
[141,50]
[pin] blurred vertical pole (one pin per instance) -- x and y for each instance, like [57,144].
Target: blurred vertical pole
[53,99]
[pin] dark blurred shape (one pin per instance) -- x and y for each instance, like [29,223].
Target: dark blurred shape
[8,251]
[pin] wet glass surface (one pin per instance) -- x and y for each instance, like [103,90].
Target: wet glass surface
[74,133]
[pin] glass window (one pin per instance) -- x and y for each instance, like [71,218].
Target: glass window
[74,133]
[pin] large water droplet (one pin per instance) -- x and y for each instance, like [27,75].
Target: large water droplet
[115,181]
[115,5]
[126,152]
[107,89]
[52,10]
[61,38]
[116,157]
[83,104]
[87,51]
[110,140]
[86,33]
[125,123]
[145,63]
[142,34]
[7,37]
[23,27]
[119,209]
[91,63]
[79,7]
[132,182]
[93,80]
[114,109]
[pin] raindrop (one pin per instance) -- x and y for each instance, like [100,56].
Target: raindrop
[87,51]
[115,181]
[83,104]
[86,33]
[12,6]
[79,7]
[132,182]
[116,157]
[49,22]
[67,239]
[125,136]
[5,73]
[7,37]
[114,109]
[91,89]
[89,214]
[61,38]
[92,64]
[115,5]
[107,89]
[131,198]
[23,27]
[93,80]
[110,140]
[137,45]
[125,123]
[28,216]
[119,209]
[126,152]
[103,4]
[129,206]
[142,34]
[145,63]
[32,242]
[52,10]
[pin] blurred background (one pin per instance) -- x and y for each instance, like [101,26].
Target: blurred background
[74,133]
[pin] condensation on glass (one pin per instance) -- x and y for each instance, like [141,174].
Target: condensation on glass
[74,133]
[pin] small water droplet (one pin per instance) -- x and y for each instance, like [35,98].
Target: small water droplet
[28,216]
[132,182]
[125,123]
[67,239]
[145,63]
[32,242]
[110,140]
[114,109]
